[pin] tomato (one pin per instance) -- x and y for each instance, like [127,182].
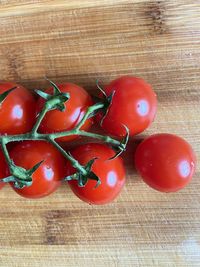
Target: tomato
[134,104]
[17,112]
[110,172]
[3,168]
[76,106]
[47,177]
[166,162]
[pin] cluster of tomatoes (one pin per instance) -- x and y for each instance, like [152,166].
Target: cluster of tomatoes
[165,162]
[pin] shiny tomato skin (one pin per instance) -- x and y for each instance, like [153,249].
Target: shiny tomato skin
[47,178]
[76,106]
[166,162]
[110,172]
[17,112]
[134,104]
[3,168]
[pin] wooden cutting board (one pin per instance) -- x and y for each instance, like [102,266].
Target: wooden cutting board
[81,41]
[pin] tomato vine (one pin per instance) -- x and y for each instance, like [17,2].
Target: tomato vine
[22,177]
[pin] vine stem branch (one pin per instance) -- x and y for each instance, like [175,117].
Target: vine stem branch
[73,161]
[39,120]
[5,152]
[87,114]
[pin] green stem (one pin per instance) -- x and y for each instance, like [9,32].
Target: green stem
[5,152]
[104,138]
[46,137]
[89,111]
[24,137]
[39,120]
[73,161]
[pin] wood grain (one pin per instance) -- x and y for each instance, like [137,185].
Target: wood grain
[80,41]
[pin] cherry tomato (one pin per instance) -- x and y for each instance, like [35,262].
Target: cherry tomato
[110,172]
[3,168]
[166,162]
[134,104]
[76,106]
[17,112]
[47,177]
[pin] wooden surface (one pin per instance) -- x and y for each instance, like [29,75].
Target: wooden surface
[80,41]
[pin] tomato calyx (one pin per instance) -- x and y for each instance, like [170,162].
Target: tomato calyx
[83,177]
[20,176]
[123,143]
[105,99]
[55,101]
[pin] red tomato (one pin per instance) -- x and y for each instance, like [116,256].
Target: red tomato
[47,177]
[17,112]
[76,106]
[134,104]
[110,172]
[166,162]
[3,168]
